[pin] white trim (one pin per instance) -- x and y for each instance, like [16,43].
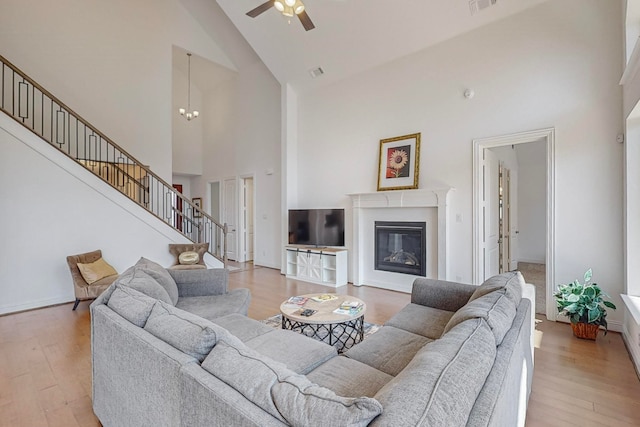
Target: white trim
[633,65]
[479,145]
[423,198]
[633,306]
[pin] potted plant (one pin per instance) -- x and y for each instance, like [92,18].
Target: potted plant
[584,304]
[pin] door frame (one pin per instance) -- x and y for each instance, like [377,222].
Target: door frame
[479,145]
[207,207]
[223,216]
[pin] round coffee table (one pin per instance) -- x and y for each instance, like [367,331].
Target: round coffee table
[339,330]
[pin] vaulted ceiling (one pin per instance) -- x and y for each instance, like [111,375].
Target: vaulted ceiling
[352,36]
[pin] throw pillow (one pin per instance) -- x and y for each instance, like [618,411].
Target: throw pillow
[131,304]
[185,331]
[160,275]
[512,281]
[496,308]
[288,396]
[188,258]
[143,282]
[92,272]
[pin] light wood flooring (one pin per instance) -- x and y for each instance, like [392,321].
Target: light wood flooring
[45,362]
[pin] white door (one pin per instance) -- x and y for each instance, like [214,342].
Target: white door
[490,206]
[513,235]
[248,219]
[505,218]
[230,211]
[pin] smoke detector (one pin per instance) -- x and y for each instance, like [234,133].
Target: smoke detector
[478,5]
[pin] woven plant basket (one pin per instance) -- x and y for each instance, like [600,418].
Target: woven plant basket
[587,331]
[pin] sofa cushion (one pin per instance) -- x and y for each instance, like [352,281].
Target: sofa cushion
[295,351]
[496,308]
[289,397]
[388,350]
[512,281]
[440,385]
[131,304]
[187,332]
[160,275]
[242,327]
[422,320]
[348,377]
[214,306]
[142,282]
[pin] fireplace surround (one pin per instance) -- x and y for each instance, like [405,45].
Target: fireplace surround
[429,205]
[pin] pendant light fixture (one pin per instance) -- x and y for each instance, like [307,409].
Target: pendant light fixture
[188,114]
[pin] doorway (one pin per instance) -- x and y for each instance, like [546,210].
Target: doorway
[488,250]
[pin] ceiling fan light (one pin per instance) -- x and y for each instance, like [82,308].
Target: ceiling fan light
[299,8]
[290,3]
[288,11]
[279,5]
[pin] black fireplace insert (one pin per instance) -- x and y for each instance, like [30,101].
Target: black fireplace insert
[401,247]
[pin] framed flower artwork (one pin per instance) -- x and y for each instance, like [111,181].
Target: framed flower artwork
[399,163]
[197,202]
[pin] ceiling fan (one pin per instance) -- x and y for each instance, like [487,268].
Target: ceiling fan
[288,8]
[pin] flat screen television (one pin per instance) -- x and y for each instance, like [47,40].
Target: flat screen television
[316,227]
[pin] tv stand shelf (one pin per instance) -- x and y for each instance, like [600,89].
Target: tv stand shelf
[326,266]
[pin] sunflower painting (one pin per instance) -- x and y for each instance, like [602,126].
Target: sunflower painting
[399,163]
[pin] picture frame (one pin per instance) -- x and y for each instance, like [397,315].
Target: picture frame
[197,201]
[399,163]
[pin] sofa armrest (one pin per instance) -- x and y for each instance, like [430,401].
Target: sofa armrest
[449,296]
[201,282]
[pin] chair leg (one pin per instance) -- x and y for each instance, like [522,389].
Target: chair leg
[76,304]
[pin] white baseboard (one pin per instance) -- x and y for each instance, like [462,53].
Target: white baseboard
[30,305]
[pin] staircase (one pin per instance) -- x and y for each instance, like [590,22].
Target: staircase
[40,112]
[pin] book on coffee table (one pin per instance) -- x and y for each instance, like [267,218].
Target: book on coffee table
[324,297]
[297,300]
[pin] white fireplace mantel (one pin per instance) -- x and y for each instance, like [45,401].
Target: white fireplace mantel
[421,198]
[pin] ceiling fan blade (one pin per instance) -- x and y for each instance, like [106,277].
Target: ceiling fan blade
[262,8]
[306,21]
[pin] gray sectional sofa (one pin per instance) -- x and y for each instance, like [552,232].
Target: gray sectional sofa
[456,355]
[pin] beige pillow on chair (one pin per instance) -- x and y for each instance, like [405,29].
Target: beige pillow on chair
[188,258]
[95,271]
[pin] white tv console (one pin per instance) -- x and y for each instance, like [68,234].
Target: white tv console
[325,266]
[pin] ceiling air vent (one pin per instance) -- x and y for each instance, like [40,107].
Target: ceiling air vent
[316,72]
[478,5]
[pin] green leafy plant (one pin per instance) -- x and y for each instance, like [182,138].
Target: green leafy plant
[583,302]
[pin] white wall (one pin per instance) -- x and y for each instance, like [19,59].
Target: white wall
[555,65]
[58,208]
[108,61]
[185,181]
[532,202]
[241,137]
[187,135]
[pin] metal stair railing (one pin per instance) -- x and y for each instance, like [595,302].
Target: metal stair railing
[45,115]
